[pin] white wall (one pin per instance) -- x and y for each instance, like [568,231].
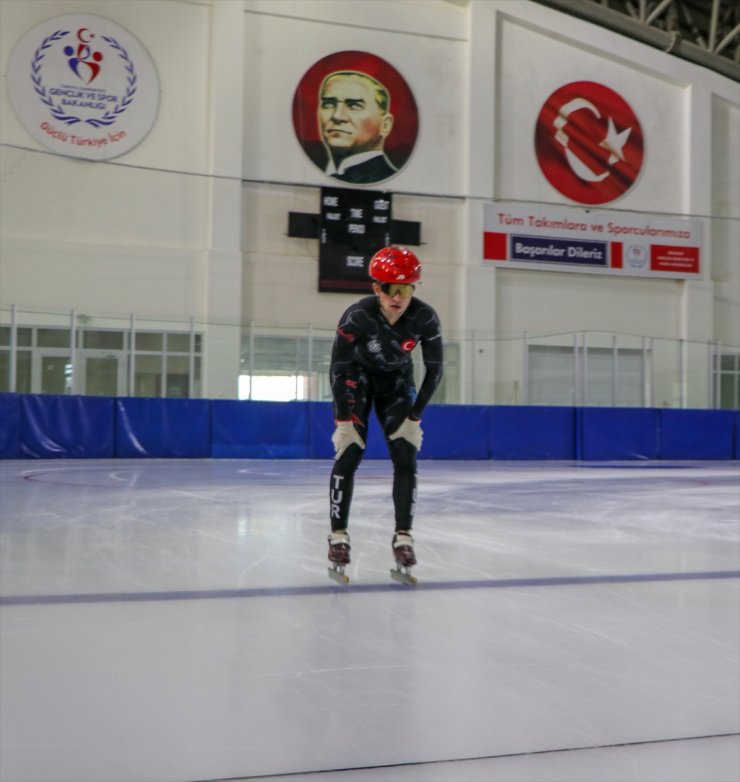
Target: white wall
[151,232]
[510,55]
[539,50]
[427,43]
[124,236]
[170,230]
[725,168]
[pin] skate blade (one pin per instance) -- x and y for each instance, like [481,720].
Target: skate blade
[403,576]
[338,575]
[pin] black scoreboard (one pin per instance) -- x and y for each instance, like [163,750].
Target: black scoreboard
[353,226]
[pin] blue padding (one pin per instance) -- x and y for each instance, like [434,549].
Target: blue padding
[375,447]
[260,430]
[10,426]
[456,432]
[321,424]
[609,433]
[450,432]
[532,432]
[696,434]
[163,428]
[47,426]
[58,427]
[321,427]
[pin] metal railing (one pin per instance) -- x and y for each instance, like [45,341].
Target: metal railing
[75,353]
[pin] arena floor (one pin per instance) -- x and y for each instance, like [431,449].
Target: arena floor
[174,621]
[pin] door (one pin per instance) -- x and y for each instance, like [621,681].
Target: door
[103,373]
[54,374]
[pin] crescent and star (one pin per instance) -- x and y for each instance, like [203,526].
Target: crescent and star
[613,142]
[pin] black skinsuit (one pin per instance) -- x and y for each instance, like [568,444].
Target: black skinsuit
[371,366]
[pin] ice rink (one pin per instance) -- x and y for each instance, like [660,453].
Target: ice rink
[174,621]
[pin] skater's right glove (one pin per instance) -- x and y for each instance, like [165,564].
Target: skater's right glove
[344,435]
[411,431]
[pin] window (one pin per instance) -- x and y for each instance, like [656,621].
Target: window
[161,362]
[594,376]
[284,369]
[24,337]
[727,380]
[103,340]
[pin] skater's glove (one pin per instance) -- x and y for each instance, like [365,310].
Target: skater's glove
[411,431]
[344,435]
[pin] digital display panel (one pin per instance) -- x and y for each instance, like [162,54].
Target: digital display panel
[354,225]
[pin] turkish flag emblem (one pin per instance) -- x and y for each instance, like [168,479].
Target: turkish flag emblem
[589,143]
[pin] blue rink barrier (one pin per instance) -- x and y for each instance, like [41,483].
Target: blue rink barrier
[36,426]
[10,426]
[532,432]
[260,430]
[613,433]
[158,428]
[66,427]
[698,434]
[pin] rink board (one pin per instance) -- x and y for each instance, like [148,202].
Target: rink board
[46,426]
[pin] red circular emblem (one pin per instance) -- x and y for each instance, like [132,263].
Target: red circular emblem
[589,143]
[329,136]
[408,345]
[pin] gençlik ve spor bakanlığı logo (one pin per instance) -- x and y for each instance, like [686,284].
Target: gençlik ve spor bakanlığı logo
[83,86]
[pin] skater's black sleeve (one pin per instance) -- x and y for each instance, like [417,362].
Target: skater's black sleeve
[342,371]
[432,355]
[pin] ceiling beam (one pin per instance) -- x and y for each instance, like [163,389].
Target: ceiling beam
[671,42]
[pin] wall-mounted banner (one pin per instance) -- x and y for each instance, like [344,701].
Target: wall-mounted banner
[529,236]
[355,117]
[83,87]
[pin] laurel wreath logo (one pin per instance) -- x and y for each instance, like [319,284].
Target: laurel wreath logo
[57,111]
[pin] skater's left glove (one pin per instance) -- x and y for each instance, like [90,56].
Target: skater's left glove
[411,431]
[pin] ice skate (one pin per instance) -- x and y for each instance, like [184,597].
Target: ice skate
[339,556]
[403,551]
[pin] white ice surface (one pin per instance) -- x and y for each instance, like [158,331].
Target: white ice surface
[173,620]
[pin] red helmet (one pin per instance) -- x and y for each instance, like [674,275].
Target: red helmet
[395,264]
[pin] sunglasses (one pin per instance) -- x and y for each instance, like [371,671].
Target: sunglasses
[405,290]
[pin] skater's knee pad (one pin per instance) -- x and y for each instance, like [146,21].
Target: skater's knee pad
[349,461]
[403,455]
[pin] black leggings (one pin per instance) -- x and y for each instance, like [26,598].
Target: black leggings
[392,398]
